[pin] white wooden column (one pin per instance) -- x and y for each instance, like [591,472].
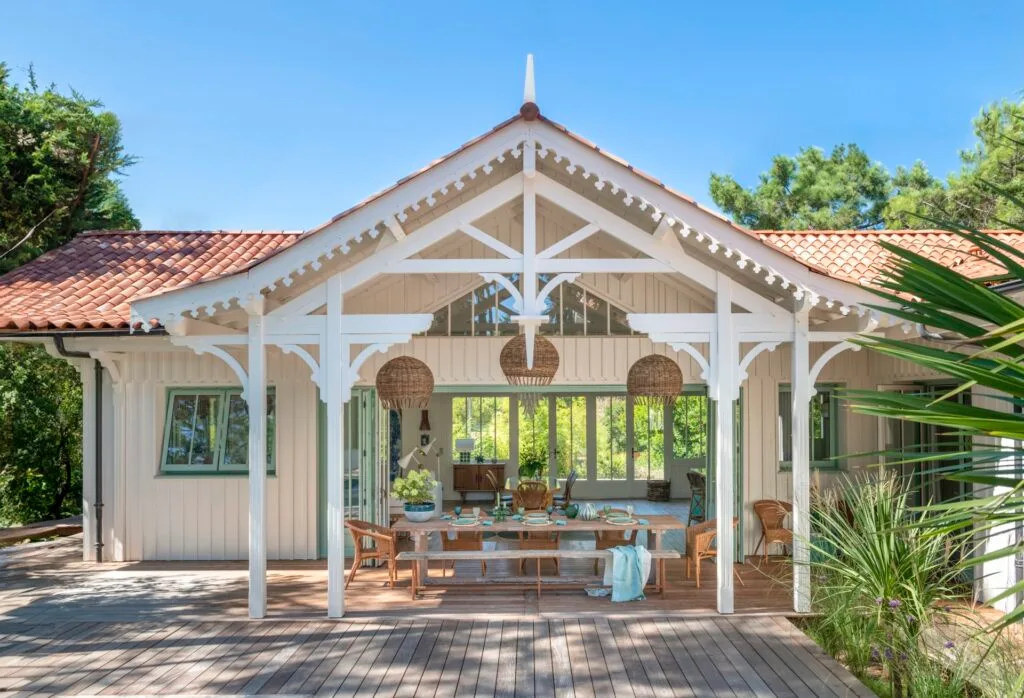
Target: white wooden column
[801,450]
[333,361]
[726,368]
[256,397]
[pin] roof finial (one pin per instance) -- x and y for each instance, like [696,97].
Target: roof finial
[529,110]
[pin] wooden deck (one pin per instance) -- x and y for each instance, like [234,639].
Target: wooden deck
[70,627]
[390,657]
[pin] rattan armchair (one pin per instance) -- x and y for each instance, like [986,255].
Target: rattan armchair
[531,494]
[772,513]
[700,545]
[383,548]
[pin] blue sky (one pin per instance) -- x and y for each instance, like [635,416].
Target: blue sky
[280,114]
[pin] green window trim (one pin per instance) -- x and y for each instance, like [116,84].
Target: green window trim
[833,437]
[223,405]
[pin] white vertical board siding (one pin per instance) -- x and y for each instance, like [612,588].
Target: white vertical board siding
[206,518]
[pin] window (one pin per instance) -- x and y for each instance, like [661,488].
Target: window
[570,310]
[824,427]
[610,413]
[483,418]
[207,431]
[690,427]
[571,436]
[648,441]
[534,428]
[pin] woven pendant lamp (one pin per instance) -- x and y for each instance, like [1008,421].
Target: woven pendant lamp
[654,380]
[513,361]
[513,365]
[404,382]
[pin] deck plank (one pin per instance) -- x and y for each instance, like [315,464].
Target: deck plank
[506,684]
[544,682]
[525,667]
[561,667]
[582,684]
[396,670]
[449,679]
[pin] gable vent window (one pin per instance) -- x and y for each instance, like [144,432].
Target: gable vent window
[571,310]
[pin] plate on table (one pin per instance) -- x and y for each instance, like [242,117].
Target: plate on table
[537,522]
[465,522]
[621,521]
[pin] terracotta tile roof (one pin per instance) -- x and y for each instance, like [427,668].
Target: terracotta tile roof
[854,256]
[87,283]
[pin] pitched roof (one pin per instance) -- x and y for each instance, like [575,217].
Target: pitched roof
[87,283]
[854,256]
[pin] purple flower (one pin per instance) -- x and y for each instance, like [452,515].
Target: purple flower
[879,600]
[911,619]
[949,644]
[903,656]
[875,655]
[894,603]
[888,653]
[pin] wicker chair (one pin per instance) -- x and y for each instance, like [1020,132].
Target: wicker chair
[564,498]
[463,541]
[700,545]
[506,496]
[772,513]
[539,540]
[383,548]
[531,494]
[698,497]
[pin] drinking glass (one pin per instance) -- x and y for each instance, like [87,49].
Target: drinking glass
[457,509]
[522,510]
[476,512]
[550,509]
[607,509]
[629,510]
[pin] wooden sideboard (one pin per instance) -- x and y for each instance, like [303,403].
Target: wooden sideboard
[472,477]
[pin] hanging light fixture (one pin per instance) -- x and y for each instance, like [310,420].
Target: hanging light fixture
[404,382]
[517,372]
[654,380]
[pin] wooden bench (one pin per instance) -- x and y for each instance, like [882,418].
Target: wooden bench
[658,558]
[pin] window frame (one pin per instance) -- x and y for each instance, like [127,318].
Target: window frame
[833,463]
[218,468]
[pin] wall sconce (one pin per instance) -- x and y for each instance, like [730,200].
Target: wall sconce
[424,420]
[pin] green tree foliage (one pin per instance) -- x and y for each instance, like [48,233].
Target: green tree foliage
[60,155]
[846,190]
[811,191]
[40,436]
[996,159]
[59,158]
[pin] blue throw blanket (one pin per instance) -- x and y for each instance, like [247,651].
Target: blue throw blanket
[628,576]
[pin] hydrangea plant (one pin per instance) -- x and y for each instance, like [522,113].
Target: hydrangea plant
[417,487]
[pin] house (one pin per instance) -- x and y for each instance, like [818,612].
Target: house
[202,352]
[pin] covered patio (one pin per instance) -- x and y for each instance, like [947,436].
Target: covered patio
[532,210]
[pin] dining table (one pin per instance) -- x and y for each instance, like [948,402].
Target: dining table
[656,525]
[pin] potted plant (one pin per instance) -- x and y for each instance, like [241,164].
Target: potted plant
[416,489]
[532,461]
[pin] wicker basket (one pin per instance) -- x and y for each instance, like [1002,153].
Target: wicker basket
[658,490]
